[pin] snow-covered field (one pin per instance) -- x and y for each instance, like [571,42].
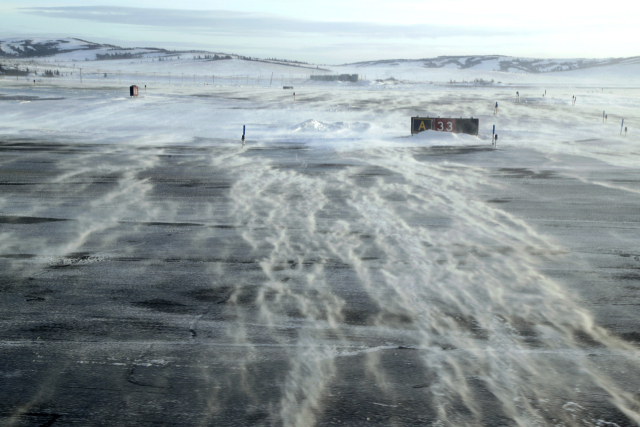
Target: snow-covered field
[333,271]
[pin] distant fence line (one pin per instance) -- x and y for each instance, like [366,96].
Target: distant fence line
[141,78]
[336,77]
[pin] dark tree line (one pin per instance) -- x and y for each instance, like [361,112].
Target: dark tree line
[126,55]
[286,60]
[30,50]
[215,57]
[475,82]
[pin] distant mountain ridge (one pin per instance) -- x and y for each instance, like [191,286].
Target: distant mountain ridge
[29,48]
[20,48]
[74,50]
[503,63]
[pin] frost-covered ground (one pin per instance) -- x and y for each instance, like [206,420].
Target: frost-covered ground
[335,270]
[69,56]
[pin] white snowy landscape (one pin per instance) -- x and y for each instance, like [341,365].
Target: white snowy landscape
[334,270]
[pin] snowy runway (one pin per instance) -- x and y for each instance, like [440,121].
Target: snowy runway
[334,271]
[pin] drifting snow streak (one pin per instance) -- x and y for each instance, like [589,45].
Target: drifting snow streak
[312,125]
[462,276]
[126,199]
[439,271]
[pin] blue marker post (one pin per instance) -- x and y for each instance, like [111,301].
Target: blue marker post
[243,130]
[621,126]
[495,113]
[493,135]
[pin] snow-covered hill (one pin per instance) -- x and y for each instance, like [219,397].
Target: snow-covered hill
[72,49]
[103,63]
[37,47]
[502,63]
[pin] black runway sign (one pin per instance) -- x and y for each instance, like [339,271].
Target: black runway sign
[419,124]
[468,126]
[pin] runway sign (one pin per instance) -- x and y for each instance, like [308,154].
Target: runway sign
[468,126]
[419,124]
[133,90]
[444,125]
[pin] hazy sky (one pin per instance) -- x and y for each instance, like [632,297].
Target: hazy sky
[339,31]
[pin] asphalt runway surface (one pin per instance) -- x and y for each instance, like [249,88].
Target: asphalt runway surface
[282,284]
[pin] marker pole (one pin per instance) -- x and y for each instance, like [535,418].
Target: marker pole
[603,117]
[271,81]
[621,126]
[243,130]
[493,135]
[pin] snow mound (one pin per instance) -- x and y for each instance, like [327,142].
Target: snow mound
[433,137]
[313,125]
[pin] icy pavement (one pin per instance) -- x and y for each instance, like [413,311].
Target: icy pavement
[335,271]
